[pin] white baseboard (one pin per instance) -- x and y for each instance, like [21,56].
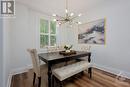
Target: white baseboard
[9,80]
[21,70]
[17,71]
[113,70]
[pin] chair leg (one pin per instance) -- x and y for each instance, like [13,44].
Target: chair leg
[39,81]
[53,83]
[82,72]
[90,72]
[61,84]
[34,77]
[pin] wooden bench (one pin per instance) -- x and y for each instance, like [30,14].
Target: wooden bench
[69,71]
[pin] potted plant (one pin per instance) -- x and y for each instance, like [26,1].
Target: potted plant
[67,48]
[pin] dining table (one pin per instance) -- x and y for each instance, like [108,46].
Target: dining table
[52,58]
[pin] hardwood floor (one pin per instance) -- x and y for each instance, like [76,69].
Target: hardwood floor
[99,79]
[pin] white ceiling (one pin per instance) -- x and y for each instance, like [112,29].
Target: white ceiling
[58,6]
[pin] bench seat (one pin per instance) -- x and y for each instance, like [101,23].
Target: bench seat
[70,70]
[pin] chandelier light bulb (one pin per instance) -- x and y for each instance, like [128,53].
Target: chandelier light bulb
[71,14]
[54,19]
[79,14]
[66,11]
[79,23]
[59,23]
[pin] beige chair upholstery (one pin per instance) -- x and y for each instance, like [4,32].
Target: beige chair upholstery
[35,61]
[36,66]
[84,48]
[51,49]
[60,48]
[54,48]
[70,70]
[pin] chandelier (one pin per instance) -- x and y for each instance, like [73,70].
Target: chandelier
[68,18]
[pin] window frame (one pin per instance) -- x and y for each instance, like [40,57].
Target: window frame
[49,33]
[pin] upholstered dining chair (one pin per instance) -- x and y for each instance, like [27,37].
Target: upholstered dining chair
[55,48]
[85,48]
[60,48]
[51,49]
[36,65]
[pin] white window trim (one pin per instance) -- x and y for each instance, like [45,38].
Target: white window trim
[38,32]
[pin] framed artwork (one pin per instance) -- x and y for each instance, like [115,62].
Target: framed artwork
[92,32]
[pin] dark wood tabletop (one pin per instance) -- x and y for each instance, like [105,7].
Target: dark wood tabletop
[48,57]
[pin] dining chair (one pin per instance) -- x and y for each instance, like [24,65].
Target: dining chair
[86,48]
[51,49]
[60,48]
[36,65]
[54,48]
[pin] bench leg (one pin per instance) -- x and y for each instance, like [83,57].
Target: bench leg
[82,72]
[61,84]
[34,77]
[53,81]
[90,72]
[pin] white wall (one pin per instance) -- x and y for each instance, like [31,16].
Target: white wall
[1,53]
[115,56]
[6,50]
[21,39]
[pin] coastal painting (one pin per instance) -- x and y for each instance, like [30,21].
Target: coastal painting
[92,32]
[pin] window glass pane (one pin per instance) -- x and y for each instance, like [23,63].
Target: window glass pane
[52,40]
[44,26]
[44,40]
[53,27]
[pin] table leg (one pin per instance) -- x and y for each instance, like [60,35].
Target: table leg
[49,75]
[89,58]
[90,72]
[89,69]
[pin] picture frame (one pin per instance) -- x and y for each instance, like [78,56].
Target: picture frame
[92,32]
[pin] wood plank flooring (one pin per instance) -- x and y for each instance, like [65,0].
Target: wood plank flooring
[99,79]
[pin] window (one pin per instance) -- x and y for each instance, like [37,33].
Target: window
[47,33]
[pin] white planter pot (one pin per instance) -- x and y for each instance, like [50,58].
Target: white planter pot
[67,51]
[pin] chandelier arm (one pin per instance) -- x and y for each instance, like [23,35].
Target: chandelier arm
[76,22]
[67,4]
[60,17]
[63,22]
[60,20]
[73,18]
[66,9]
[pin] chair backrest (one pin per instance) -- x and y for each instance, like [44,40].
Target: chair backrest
[60,48]
[84,48]
[35,61]
[56,48]
[51,49]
